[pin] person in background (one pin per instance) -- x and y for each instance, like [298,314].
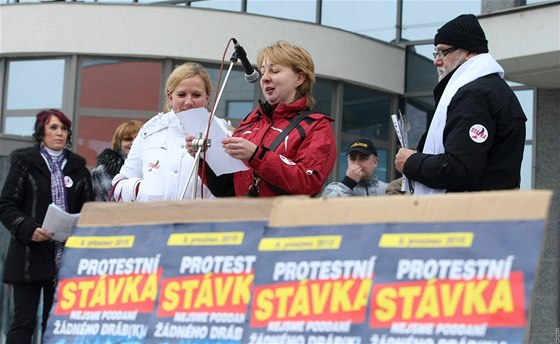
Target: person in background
[158,166]
[395,187]
[110,160]
[360,179]
[303,159]
[476,138]
[40,175]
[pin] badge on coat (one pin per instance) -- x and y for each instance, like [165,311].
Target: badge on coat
[68,182]
[478,133]
[286,160]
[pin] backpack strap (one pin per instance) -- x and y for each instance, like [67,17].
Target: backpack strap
[288,129]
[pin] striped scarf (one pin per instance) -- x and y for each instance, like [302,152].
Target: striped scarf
[58,192]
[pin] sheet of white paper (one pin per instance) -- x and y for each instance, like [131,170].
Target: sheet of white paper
[60,222]
[195,122]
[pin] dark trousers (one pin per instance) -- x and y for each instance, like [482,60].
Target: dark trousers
[27,296]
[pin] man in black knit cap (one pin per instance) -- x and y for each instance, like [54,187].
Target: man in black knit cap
[476,138]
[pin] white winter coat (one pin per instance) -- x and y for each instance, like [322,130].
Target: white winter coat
[158,164]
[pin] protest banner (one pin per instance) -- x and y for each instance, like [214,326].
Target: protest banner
[456,268]
[166,272]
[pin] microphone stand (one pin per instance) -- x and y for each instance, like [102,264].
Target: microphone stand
[200,144]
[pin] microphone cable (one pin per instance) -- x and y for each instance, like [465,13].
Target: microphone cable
[214,108]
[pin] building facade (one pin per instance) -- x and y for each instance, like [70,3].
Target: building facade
[103,62]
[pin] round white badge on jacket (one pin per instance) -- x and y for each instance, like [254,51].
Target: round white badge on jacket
[286,160]
[478,133]
[68,182]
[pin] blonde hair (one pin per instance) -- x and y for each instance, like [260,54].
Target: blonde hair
[295,57]
[126,129]
[185,71]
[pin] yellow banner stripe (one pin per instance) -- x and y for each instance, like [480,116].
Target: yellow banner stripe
[427,240]
[320,242]
[100,242]
[206,239]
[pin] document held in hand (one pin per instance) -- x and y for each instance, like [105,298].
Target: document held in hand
[195,121]
[402,126]
[60,222]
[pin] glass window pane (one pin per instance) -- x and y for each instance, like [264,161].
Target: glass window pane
[526,100]
[236,96]
[366,114]
[418,112]
[422,18]
[19,125]
[95,134]
[322,91]
[372,18]
[238,109]
[293,9]
[421,74]
[513,83]
[527,168]
[228,5]
[381,170]
[43,79]
[125,85]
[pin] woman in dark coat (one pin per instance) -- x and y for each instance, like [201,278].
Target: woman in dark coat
[110,161]
[40,175]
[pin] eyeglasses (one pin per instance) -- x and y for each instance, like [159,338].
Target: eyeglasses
[443,53]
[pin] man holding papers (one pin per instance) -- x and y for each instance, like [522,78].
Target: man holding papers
[476,138]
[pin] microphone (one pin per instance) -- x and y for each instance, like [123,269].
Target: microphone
[251,75]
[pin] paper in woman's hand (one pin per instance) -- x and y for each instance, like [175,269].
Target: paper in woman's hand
[59,222]
[195,122]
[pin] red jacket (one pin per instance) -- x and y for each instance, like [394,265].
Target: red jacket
[301,163]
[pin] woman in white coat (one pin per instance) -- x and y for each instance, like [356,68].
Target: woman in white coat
[158,165]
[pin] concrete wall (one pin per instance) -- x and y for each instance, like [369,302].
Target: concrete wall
[545,313]
[526,42]
[192,33]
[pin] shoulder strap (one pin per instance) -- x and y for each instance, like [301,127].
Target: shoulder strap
[288,129]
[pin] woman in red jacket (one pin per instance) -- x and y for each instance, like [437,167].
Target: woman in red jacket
[303,159]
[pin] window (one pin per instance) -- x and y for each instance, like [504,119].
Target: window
[112,91]
[227,5]
[32,85]
[370,18]
[304,10]
[238,109]
[323,93]
[422,18]
[421,75]
[419,112]
[526,99]
[238,96]
[118,84]
[366,114]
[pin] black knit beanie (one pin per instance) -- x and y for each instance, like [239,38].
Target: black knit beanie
[463,32]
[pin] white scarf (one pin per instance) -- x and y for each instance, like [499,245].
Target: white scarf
[474,68]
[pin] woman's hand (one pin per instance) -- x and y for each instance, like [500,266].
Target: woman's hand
[190,150]
[239,148]
[41,234]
